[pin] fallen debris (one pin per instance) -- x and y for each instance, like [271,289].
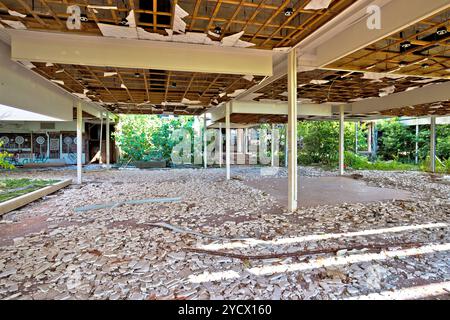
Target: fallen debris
[118,204]
[301,253]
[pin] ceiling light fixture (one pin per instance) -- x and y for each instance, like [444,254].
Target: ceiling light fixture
[405,45]
[218,30]
[425,65]
[288,12]
[441,31]
[402,64]
[84,18]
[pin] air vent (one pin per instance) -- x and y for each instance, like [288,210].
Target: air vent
[47,125]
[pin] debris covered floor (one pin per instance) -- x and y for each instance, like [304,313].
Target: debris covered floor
[249,247]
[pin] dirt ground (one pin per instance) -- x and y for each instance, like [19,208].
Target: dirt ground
[228,239]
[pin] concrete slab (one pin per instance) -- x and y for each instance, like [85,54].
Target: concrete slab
[316,191]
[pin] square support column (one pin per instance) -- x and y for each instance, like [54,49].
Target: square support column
[108,149]
[220,145]
[292,130]
[205,143]
[79,141]
[227,140]
[341,140]
[433,144]
[272,146]
[101,138]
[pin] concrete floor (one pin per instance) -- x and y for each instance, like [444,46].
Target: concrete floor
[316,191]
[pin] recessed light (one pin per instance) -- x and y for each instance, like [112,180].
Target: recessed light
[84,18]
[405,45]
[288,12]
[137,75]
[425,65]
[402,64]
[441,31]
[217,30]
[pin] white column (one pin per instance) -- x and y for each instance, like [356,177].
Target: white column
[369,137]
[220,145]
[60,146]
[205,143]
[272,145]
[341,140]
[433,144]
[227,140]
[246,140]
[101,138]
[286,148]
[292,130]
[356,136]
[417,144]
[108,156]
[79,140]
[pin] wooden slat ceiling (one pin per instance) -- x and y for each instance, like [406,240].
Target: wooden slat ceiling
[263,21]
[340,86]
[428,54]
[145,91]
[436,109]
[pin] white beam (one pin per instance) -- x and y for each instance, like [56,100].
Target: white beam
[108,137]
[228,140]
[341,140]
[141,54]
[292,131]
[396,15]
[433,144]
[428,94]
[266,108]
[79,141]
[23,89]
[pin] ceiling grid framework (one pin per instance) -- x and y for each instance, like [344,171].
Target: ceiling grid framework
[263,23]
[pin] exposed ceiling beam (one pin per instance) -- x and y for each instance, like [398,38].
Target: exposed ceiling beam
[129,53]
[428,94]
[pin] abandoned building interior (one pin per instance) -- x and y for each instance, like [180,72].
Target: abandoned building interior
[230,227]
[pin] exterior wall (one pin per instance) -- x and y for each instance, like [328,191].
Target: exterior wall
[28,142]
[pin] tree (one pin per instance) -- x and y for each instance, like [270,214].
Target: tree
[4,164]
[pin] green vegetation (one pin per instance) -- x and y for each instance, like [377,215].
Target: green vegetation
[145,138]
[4,164]
[11,188]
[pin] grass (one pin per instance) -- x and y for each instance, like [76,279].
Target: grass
[11,188]
[361,163]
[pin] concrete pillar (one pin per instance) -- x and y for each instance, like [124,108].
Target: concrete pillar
[246,140]
[108,148]
[433,144]
[220,145]
[286,146]
[101,138]
[341,140]
[356,137]
[205,143]
[60,146]
[369,137]
[79,140]
[272,146]
[292,130]
[417,145]
[228,139]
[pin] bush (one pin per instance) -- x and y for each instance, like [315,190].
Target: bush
[357,162]
[4,163]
